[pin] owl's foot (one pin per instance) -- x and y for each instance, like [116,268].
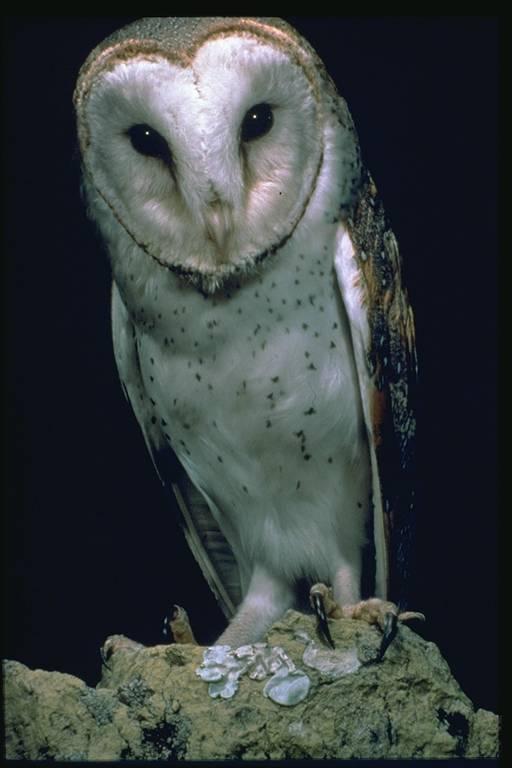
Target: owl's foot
[177,626]
[382,613]
[116,643]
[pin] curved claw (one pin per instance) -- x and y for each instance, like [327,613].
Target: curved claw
[167,623]
[105,655]
[317,602]
[177,627]
[388,635]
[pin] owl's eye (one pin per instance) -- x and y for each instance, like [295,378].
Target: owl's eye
[146,141]
[257,122]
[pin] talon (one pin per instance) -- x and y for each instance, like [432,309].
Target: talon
[105,655]
[317,602]
[106,651]
[178,626]
[390,627]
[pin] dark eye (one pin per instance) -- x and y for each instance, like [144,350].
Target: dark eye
[146,141]
[257,122]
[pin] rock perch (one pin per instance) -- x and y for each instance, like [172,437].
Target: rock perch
[151,704]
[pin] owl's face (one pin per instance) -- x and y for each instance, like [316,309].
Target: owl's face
[208,162]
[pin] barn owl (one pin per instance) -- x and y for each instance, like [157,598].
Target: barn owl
[261,330]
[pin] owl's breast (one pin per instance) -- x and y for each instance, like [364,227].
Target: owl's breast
[256,390]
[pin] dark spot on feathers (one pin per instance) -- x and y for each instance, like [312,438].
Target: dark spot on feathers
[198,376]
[309,412]
[305,326]
[275,379]
[219,458]
[307,456]
[298,485]
[152,401]
[163,423]
[245,489]
[312,367]
[307,354]
[332,345]
[268,424]
[153,419]
[329,460]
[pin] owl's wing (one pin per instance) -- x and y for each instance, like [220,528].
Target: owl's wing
[203,535]
[368,267]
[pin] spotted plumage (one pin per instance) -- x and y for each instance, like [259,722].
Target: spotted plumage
[261,331]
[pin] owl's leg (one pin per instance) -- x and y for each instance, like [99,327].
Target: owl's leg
[267,598]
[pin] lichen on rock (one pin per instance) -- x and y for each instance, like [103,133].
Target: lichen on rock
[150,704]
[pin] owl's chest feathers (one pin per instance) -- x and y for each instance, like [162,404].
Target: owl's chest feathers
[256,392]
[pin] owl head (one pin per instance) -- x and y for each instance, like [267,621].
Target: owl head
[208,140]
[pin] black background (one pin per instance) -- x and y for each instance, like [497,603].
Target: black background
[90,544]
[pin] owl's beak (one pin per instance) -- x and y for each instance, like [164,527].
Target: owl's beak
[218,220]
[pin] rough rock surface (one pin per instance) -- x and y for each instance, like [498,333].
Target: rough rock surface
[150,704]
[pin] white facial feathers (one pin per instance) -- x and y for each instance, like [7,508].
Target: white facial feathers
[222,202]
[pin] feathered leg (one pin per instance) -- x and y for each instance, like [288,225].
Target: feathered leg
[266,600]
